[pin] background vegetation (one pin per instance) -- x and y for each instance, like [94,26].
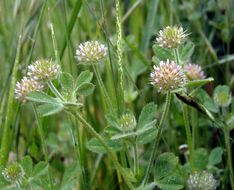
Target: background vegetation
[210,24]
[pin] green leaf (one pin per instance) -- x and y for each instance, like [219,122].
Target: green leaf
[84,77]
[197,83]
[40,169]
[165,165]
[41,97]
[66,81]
[123,135]
[215,156]
[148,136]
[222,96]
[113,121]
[95,146]
[207,101]
[148,114]
[27,165]
[186,51]
[162,53]
[200,159]
[85,89]
[49,109]
[150,186]
[173,182]
[129,175]
[70,176]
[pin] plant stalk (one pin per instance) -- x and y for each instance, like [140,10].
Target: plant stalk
[188,136]
[156,142]
[109,151]
[55,91]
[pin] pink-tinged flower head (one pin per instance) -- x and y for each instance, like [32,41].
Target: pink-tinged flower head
[194,72]
[171,37]
[43,69]
[167,76]
[91,52]
[25,86]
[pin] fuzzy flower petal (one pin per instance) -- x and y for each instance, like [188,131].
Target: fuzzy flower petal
[194,72]
[171,37]
[202,181]
[167,76]
[91,52]
[25,86]
[43,70]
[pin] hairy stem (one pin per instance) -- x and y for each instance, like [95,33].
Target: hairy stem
[188,136]
[156,142]
[54,90]
[43,144]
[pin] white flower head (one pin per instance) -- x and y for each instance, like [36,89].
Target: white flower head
[43,70]
[25,86]
[128,122]
[167,76]
[171,37]
[202,181]
[91,52]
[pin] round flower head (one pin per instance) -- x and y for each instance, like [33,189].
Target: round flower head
[43,70]
[91,52]
[171,37]
[13,172]
[127,122]
[25,86]
[202,181]
[167,76]
[194,72]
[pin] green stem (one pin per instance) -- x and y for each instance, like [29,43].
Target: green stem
[43,144]
[177,56]
[6,141]
[135,158]
[80,160]
[229,155]
[109,151]
[102,87]
[156,142]
[119,55]
[188,136]
[54,90]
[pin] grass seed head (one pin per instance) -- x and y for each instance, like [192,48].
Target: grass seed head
[171,37]
[167,76]
[91,52]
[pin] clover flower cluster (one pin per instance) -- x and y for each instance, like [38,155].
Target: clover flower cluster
[38,73]
[167,76]
[91,52]
[194,72]
[171,37]
[202,181]
[43,70]
[13,172]
[127,122]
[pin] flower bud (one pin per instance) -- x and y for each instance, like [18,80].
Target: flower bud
[171,37]
[91,52]
[13,172]
[25,86]
[202,181]
[167,76]
[128,122]
[43,70]
[194,72]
